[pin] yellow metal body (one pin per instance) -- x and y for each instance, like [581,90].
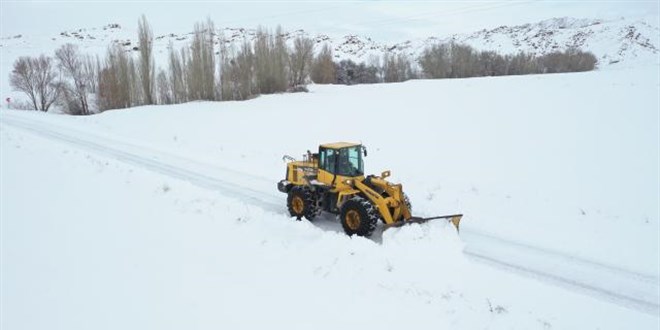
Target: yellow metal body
[298,170]
[389,199]
[391,204]
[339,145]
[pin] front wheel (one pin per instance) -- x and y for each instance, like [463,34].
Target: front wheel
[358,217]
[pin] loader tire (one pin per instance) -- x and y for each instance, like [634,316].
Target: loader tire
[302,202]
[358,217]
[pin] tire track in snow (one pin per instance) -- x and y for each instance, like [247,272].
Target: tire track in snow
[623,287]
[620,286]
[113,148]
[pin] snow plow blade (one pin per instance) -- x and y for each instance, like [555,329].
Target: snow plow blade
[455,220]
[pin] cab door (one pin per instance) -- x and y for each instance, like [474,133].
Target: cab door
[327,165]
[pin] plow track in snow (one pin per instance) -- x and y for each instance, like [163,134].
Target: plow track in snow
[605,282]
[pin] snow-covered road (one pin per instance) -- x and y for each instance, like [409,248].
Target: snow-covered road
[607,282]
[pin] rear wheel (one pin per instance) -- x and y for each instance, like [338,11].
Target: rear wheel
[302,202]
[358,217]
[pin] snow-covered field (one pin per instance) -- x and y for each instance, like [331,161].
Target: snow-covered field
[168,216]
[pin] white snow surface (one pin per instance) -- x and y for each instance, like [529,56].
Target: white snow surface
[168,216]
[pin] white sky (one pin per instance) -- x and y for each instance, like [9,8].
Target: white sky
[381,20]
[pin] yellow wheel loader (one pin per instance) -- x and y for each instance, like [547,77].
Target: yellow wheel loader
[333,180]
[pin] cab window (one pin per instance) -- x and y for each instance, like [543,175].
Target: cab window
[350,162]
[328,159]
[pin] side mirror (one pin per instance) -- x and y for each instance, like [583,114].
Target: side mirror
[385,174]
[364,149]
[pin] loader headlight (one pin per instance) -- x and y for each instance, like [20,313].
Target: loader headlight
[348,182]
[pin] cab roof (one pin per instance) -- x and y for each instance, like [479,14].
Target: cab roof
[339,145]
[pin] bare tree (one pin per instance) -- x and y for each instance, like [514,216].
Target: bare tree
[570,60]
[323,68]
[280,61]
[201,69]
[239,82]
[223,54]
[270,61]
[164,89]
[68,101]
[491,64]
[300,60]
[177,76]
[523,63]
[435,61]
[109,89]
[390,72]
[133,80]
[263,50]
[36,77]
[348,73]
[464,61]
[70,62]
[146,64]
[397,68]
[374,63]
[90,69]
[117,80]
[227,73]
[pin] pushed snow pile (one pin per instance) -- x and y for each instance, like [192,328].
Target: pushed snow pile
[436,237]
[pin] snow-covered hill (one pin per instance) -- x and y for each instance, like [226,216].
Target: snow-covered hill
[168,216]
[613,41]
[616,43]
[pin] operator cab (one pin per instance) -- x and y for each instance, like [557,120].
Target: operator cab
[341,159]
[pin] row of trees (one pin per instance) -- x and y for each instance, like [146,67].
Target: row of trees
[207,69]
[448,61]
[389,68]
[462,61]
[445,61]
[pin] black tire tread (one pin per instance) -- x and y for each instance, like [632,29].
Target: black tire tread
[311,208]
[367,211]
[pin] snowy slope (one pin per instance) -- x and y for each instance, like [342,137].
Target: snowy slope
[612,40]
[617,42]
[557,176]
